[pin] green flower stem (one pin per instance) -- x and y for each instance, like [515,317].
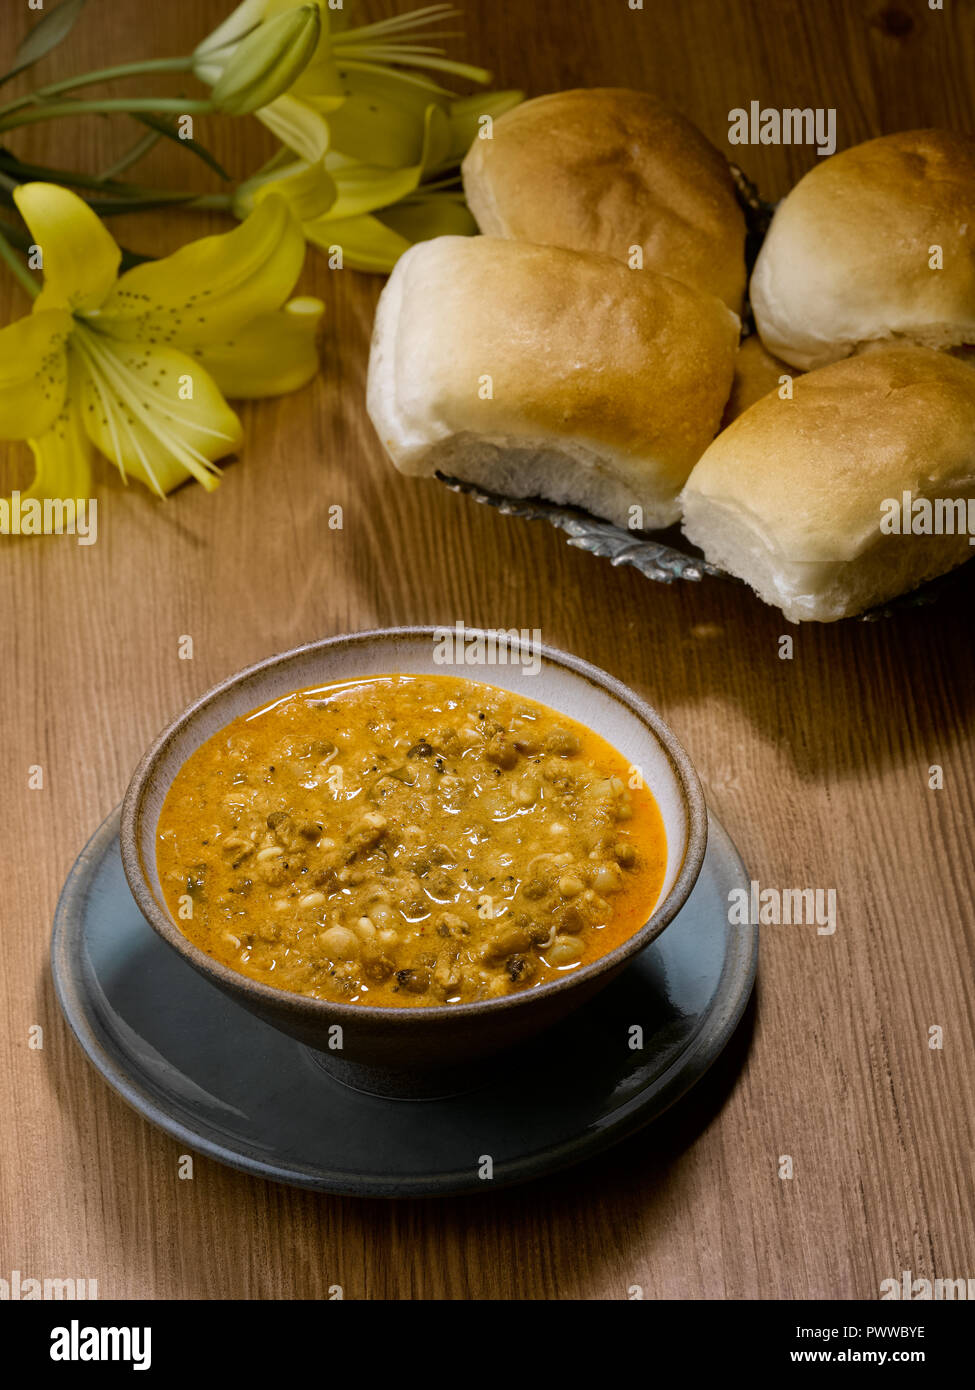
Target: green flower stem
[131,156]
[17,171]
[13,262]
[106,107]
[186,202]
[217,202]
[89,79]
[14,172]
[27,173]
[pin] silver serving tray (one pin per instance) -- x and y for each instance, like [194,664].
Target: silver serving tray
[662,556]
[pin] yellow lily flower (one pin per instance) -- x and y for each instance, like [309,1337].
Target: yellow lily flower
[135,366]
[297,122]
[394,178]
[362,113]
[297,117]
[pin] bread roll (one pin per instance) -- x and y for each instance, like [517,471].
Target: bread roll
[791,497]
[757,373]
[535,371]
[848,258]
[606,169]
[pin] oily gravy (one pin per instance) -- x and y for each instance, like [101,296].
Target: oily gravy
[408,840]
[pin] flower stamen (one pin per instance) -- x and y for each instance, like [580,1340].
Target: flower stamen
[104,361]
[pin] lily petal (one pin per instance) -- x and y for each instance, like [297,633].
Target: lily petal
[274,354]
[381,120]
[33,372]
[308,190]
[465,118]
[206,291]
[421,218]
[365,242]
[382,135]
[81,258]
[136,412]
[297,125]
[64,456]
[367,187]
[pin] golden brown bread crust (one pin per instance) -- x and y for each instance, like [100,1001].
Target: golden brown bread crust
[623,373]
[796,497]
[810,474]
[847,259]
[606,169]
[757,373]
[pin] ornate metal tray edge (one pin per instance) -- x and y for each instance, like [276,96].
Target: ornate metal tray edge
[655,558]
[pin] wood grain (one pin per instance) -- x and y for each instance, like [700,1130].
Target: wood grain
[818,766]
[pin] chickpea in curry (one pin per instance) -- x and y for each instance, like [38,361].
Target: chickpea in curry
[408,840]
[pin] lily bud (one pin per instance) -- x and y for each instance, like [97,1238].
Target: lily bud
[267,61]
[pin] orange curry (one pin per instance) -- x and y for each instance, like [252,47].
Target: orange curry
[408,840]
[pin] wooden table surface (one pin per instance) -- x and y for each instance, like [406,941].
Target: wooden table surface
[818,766]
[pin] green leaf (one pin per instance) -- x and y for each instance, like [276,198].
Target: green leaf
[45,36]
[170,131]
[113,207]
[130,195]
[131,156]
[23,172]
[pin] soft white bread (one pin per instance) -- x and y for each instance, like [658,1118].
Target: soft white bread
[850,254]
[536,371]
[791,497]
[605,169]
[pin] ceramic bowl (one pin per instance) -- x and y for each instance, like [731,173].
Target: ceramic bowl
[430,1050]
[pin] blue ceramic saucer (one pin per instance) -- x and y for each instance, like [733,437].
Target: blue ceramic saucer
[225,1084]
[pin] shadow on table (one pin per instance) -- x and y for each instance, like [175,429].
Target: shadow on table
[588,1208]
[854,697]
[398,1235]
